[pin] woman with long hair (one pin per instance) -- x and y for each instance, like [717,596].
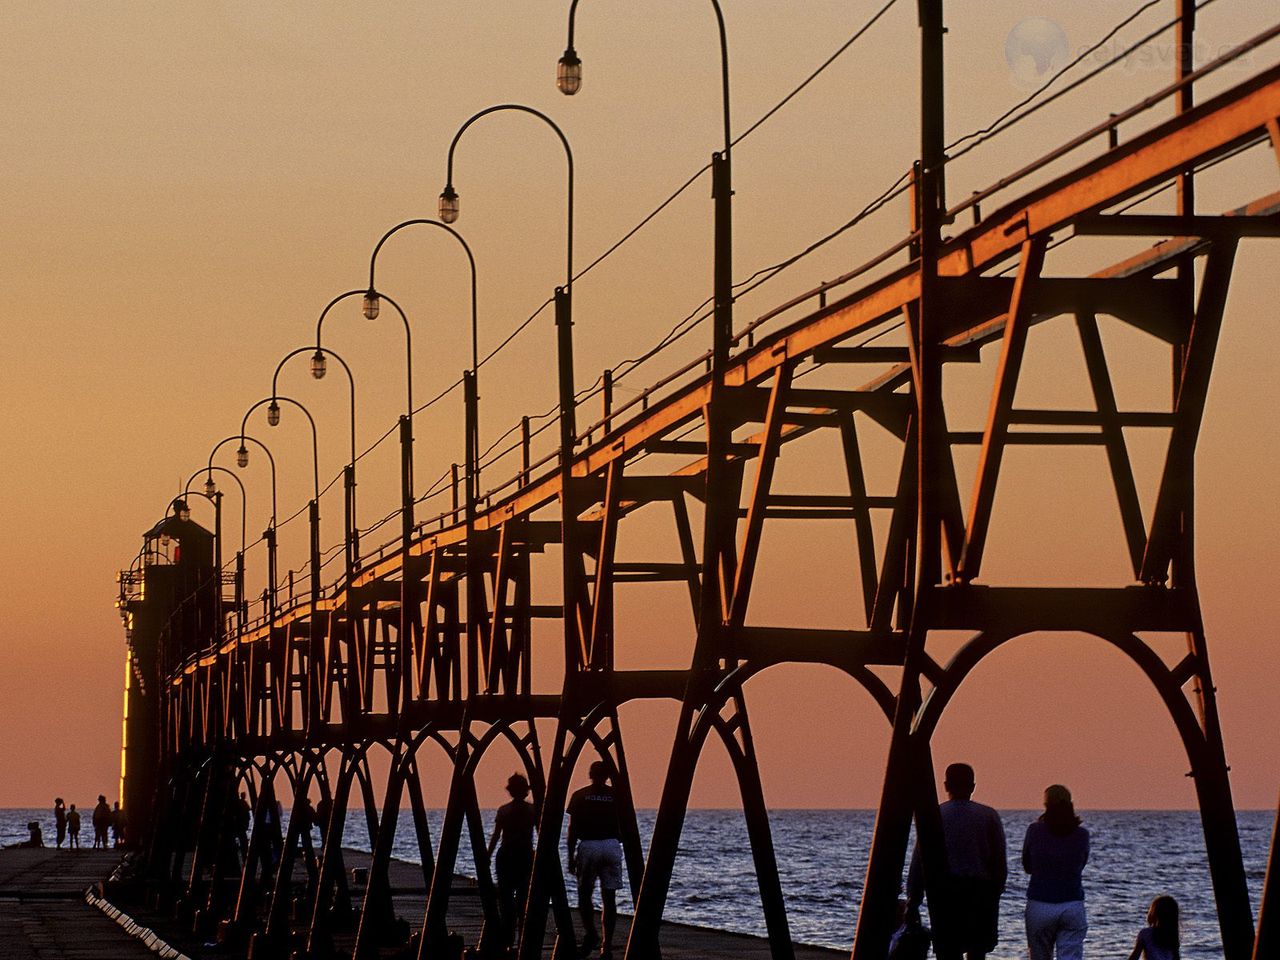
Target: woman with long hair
[1054,853]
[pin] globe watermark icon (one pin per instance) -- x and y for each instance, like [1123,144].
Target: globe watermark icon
[1035,49]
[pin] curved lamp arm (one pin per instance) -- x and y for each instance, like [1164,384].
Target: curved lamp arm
[244,499]
[408,338]
[450,195]
[242,437]
[471,261]
[571,55]
[315,449]
[351,381]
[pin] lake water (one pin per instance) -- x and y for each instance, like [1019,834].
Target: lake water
[822,856]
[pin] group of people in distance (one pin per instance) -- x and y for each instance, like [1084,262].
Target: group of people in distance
[1054,853]
[66,821]
[106,819]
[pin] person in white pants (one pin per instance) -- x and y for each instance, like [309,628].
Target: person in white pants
[1054,853]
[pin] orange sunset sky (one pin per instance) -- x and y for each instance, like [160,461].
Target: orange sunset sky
[186,185]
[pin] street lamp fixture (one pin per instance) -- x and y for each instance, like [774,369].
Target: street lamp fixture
[273,414]
[449,204]
[369,306]
[183,511]
[319,366]
[569,73]
[242,456]
[210,488]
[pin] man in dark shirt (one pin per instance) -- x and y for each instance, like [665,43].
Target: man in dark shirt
[595,853]
[977,868]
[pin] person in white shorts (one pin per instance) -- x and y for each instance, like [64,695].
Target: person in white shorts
[595,854]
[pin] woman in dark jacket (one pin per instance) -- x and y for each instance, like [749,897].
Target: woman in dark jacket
[1054,852]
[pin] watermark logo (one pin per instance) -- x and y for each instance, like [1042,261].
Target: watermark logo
[1035,49]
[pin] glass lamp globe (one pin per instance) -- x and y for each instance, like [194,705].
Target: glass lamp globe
[449,205]
[210,488]
[184,512]
[273,414]
[319,366]
[369,306]
[569,73]
[242,457]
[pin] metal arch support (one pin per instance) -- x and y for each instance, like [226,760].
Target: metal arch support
[1200,740]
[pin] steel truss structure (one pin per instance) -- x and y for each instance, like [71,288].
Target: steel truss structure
[432,648]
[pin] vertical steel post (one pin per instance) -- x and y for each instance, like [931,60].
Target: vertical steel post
[217,565]
[568,511]
[1184,99]
[606,392]
[909,774]
[241,612]
[315,642]
[352,538]
[524,450]
[403,645]
[269,535]
[475,589]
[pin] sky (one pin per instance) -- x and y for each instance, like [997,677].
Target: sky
[187,185]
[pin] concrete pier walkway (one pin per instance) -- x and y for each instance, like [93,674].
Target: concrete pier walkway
[43,915]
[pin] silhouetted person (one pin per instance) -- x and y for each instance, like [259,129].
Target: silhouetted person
[101,823]
[595,853]
[513,828]
[244,817]
[1055,852]
[1159,939]
[60,819]
[977,868]
[35,836]
[73,828]
[323,811]
[117,825]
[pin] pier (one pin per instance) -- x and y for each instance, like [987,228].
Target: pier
[331,687]
[44,915]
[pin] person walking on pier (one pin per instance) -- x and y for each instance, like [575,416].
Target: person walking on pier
[60,819]
[513,827]
[101,823]
[977,868]
[595,853]
[1055,852]
[73,828]
[117,825]
[244,817]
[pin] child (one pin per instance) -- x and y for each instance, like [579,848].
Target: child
[1158,940]
[73,828]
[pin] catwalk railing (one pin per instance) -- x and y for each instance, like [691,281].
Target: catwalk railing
[432,644]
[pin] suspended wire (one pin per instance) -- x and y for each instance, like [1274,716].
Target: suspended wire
[1009,119]
[1005,121]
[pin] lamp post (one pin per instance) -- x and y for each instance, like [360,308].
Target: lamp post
[571,571]
[268,535]
[313,526]
[472,413]
[718,536]
[371,308]
[211,490]
[351,535]
[449,212]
